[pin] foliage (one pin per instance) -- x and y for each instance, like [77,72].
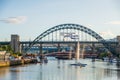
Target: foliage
[18,53]
[6,48]
[9,50]
[105,54]
[14,55]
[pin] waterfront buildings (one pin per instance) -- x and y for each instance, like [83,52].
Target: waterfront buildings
[4,56]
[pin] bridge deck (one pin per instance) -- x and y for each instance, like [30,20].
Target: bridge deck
[55,42]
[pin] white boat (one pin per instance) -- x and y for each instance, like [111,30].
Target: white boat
[114,60]
[77,57]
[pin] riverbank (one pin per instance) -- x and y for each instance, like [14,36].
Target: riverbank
[17,62]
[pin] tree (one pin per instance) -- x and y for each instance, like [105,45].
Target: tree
[6,48]
[105,54]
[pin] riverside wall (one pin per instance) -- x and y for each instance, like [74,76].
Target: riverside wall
[17,62]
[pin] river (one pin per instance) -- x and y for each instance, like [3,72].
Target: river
[62,70]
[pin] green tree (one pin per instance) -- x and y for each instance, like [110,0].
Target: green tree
[105,54]
[6,48]
[9,50]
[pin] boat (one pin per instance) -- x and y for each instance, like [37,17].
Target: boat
[77,58]
[78,64]
[112,60]
[38,59]
[45,60]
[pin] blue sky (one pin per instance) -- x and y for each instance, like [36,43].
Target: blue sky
[29,18]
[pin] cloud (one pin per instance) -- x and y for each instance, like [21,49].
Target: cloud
[14,20]
[114,22]
[107,34]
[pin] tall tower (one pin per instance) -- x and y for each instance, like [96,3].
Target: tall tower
[118,46]
[15,43]
[118,38]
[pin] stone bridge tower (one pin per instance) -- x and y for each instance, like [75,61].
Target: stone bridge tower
[118,46]
[15,43]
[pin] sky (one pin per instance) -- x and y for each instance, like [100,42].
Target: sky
[29,18]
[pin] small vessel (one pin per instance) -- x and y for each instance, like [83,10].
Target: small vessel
[38,59]
[45,60]
[77,58]
[78,64]
[111,60]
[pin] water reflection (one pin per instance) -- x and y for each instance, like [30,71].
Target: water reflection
[4,71]
[61,70]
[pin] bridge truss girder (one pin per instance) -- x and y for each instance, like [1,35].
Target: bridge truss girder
[71,26]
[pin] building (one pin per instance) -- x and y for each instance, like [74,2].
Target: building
[15,43]
[118,46]
[4,56]
[118,39]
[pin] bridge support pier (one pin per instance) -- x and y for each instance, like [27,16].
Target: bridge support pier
[58,47]
[40,49]
[47,50]
[75,47]
[93,48]
[21,48]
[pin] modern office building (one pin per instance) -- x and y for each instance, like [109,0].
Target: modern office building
[15,43]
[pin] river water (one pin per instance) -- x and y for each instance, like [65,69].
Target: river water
[62,70]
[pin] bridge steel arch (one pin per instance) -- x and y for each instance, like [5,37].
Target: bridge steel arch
[70,26]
